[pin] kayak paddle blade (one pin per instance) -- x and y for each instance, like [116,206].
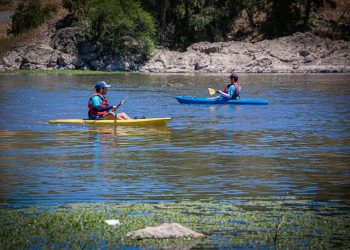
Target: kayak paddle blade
[211,91]
[122,102]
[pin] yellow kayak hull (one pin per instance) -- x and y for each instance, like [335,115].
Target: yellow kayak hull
[131,122]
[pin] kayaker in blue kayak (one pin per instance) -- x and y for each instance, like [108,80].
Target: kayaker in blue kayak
[232,90]
[99,109]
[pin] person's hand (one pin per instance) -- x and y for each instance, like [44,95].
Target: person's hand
[114,108]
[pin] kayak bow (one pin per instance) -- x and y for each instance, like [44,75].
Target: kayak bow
[131,122]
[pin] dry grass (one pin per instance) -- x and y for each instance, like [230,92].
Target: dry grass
[8,5]
[37,35]
[335,13]
[5,23]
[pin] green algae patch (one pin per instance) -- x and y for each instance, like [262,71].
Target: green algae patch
[253,224]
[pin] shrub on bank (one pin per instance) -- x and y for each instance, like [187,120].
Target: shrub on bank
[30,14]
[123,27]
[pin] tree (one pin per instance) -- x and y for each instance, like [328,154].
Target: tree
[30,14]
[307,14]
[283,19]
[122,26]
[183,22]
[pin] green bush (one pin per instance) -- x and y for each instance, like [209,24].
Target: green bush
[123,27]
[77,7]
[30,14]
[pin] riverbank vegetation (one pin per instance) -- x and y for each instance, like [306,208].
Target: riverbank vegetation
[31,14]
[182,23]
[279,224]
[135,27]
[61,72]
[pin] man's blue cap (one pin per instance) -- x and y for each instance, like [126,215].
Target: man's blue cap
[101,84]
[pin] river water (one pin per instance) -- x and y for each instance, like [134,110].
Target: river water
[297,146]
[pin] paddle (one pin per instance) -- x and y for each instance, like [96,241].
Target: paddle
[211,91]
[120,104]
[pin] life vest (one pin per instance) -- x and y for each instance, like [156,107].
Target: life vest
[237,89]
[104,103]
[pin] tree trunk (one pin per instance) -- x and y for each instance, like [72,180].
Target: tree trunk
[164,8]
[307,14]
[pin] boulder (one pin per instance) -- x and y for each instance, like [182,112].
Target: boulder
[89,57]
[86,47]
[38,54]
[97,64]
[65,22]
[64,59]
[67,39]
[164,231]
[12,60]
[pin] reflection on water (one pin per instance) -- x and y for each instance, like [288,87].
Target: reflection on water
[298,144]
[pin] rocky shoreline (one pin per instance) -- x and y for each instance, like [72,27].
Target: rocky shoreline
[299,53]
[66,47]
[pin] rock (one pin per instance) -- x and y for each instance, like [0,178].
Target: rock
[12,60]
[65,22]
[164,231]
[67,39]
[64,59]
[308,59]
[97,64]
[78,62]
[86,47]
[53,59]
[299,53]
[89,57]
[304,53]
[38,54]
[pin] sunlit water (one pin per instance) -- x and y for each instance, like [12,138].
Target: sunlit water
[297,146]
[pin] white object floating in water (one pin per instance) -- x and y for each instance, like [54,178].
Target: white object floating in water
[113,222]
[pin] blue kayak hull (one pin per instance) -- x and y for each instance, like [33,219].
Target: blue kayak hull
[205,100]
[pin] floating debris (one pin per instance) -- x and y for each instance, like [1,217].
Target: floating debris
[113,222]
[164,231]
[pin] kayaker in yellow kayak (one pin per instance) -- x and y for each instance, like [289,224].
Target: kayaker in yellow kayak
[99,109]
[232,90]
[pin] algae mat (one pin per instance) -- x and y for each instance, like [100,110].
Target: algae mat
[285,224]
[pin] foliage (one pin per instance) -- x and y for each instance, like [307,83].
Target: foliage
[133,27]
[250,224]
[77,7]
[123,26]
[288,16]
[30,14]
[185,22]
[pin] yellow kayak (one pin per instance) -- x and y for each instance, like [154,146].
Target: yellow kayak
[131,122]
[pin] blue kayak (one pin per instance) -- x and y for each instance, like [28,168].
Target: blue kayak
[207,100]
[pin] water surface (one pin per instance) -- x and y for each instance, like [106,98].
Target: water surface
[297,146]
